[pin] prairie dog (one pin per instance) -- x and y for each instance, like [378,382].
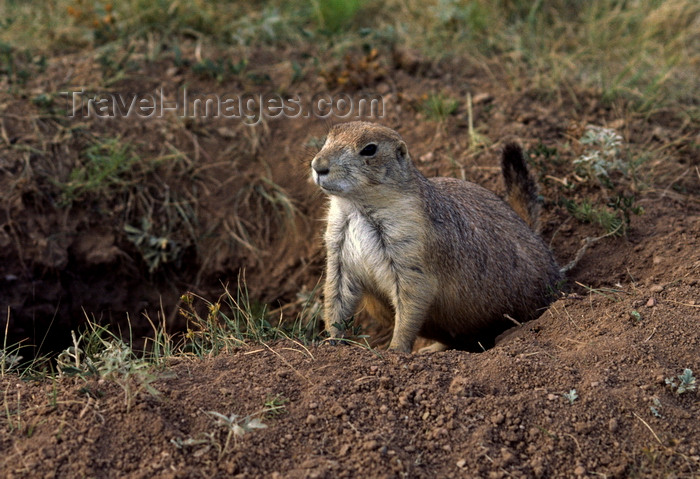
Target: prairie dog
[440,258]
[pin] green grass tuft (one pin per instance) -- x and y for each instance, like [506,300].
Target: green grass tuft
[334,16]
[438,106]
[105,169]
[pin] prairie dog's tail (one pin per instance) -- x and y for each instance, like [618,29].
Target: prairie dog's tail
[521,189]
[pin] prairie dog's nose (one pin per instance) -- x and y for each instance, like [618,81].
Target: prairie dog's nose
[320,167]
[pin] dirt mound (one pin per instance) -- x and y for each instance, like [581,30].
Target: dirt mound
[345,411]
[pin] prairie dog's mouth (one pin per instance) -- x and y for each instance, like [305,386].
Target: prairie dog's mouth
[329,189]
[328,186]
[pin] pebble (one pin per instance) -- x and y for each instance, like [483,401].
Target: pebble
[482,98]
[657,288]
[613,425]
[506,456]
[580,471]
[428,157]
[497,418]
[651,303]
[370,445]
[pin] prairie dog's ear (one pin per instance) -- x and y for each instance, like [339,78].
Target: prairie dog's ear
[401,152]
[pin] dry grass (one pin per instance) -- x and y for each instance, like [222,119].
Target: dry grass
[643,52]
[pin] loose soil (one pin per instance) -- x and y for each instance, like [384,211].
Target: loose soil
[629,318]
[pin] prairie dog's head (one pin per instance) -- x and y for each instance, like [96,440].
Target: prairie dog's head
[361,158]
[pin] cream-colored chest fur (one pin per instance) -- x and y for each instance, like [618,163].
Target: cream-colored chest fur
[374,246]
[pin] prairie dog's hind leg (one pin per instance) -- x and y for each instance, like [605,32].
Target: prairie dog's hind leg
[436,347]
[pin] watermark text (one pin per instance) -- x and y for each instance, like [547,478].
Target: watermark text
[247,107]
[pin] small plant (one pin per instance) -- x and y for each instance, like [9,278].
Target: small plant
[571,396]
[476,140]
[43,100]
[602,154]
[94,356]
[13,410]
[586,212]
[315,143]
[655,408]
[636,316]
[9,361]
[544,158]
[625,205]
[106,167]
[155,250]
[220,69]
[470,19]
[275,405]
[438,106]
[18,65]
[349,329]
[115,62]
[235,426]
[686,382]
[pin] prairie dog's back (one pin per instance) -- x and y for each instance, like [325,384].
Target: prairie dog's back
[479,241]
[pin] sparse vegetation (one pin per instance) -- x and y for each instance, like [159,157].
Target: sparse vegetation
[571,396]
[106,169]
[602,154]
[9,355]
[235,320]
[155,250]
[601,157]
[234,426]
[275,405]
[686,382]
[588,213]
[438,106]
[97,354]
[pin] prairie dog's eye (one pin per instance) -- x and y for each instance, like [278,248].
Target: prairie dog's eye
[369,150]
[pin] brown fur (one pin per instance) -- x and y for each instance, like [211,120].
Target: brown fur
[442,258]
